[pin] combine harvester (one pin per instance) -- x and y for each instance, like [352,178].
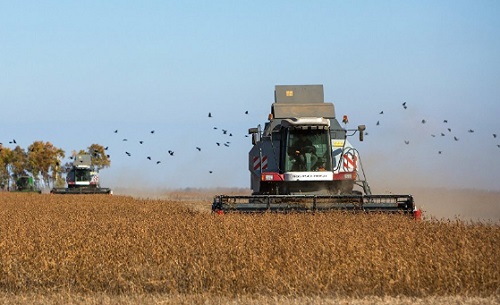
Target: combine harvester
[26,184]
[82,178]
[302,161]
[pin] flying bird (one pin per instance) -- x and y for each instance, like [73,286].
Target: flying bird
[494,135]
[423,121]
[224,131]
[445,121]
[209,114]
[210,172]
[198,148]
[158,162]
[246,112]
[442,134]
[116,131]
[149,158]
[218,144]
[449,129]
[106,148]
[225,144]
[439,152]
[455,138]
[141,142]
[170,152]
[404,105]
[378,123]
[128,154]
[381,112]
[470,131]
[433,135]
[125,140]
[152,131]
[407,142]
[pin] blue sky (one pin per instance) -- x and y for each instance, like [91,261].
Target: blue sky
[73,72]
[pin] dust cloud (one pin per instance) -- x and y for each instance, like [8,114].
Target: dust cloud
[467,204]
[454,203]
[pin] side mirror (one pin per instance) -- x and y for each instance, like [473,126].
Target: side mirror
[361,129]
[254,139]
[255,134]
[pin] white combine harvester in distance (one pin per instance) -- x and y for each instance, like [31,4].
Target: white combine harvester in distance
[82,178]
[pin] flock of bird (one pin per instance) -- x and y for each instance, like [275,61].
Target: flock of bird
[171,152]
[447,131]
[443,133]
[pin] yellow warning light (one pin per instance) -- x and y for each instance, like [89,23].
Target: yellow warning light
[345,119]
[270,116]
[289,92]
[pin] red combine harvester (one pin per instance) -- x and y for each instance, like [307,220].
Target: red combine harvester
[303,161]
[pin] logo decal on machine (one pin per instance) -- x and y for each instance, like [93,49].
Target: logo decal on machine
[257,163]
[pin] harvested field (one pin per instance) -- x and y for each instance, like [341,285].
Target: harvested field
[122,247]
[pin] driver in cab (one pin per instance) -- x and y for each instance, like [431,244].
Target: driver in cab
[300,148]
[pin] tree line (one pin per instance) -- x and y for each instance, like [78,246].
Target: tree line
[44,162]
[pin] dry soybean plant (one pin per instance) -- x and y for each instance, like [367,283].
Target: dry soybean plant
[118,244]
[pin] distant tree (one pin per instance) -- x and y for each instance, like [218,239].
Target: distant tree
[44,161]
[60,181]
[5,160]
[98,156]
[19,162]
[35,159]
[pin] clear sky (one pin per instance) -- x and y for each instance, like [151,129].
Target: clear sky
[72,72]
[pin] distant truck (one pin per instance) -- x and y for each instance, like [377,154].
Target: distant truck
[82,178]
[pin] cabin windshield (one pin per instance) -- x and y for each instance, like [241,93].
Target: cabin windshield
[308,150]
[82,175]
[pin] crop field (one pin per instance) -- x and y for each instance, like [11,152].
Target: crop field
[101,249]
